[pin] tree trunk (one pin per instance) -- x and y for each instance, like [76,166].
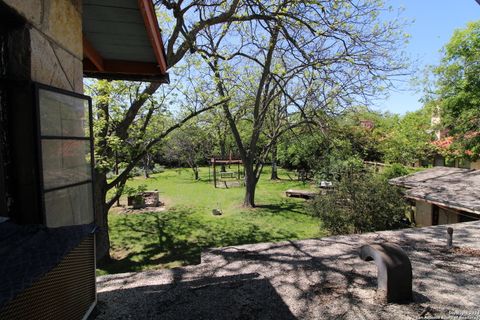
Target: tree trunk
[101,218]
[195,172]
[223,153]
[250,186]
[116,173]
[146,165]
[147,175]
[274,175]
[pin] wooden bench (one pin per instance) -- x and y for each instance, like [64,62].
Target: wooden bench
[227,174]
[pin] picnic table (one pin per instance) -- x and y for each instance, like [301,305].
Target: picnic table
[305,194]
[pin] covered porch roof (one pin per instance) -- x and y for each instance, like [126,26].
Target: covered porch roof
[122,40]
[454,188]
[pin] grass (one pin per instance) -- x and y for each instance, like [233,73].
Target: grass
[177,236]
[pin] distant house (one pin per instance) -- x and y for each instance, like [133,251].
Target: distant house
[443,141]
[439,160]
[367,124]
[442,195]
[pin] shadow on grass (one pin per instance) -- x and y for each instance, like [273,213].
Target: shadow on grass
[177,237]
[283,208]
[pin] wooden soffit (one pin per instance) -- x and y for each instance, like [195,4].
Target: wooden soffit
[122,40]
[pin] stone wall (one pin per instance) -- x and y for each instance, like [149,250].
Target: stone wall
[42,43]
[55,41]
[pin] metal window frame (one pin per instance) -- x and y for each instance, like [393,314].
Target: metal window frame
[3,95]
[40,138]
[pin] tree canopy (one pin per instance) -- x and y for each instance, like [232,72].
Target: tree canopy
[267,69]
[296,65]
[457,91]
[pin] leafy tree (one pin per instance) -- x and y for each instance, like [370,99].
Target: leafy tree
[360,202]
[409,139]
[182,23]
[337,48]
[119,141]
[393,138]
[394,171]
[302,148]
[458,90]
[259,96]
[190,145]
[346,143]
[308,58]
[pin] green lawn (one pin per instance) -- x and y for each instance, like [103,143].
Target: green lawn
[177,236]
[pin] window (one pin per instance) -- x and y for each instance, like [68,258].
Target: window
[66,156]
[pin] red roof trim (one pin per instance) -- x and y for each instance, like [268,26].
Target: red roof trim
[125,70]
[91,54]
[151,23]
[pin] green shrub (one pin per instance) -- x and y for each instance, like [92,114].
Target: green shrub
[333,169]
[158,168]
[361,203]
[394,171]
[133,191]
[136,172]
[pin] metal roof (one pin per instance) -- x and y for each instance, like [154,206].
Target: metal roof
[454,188]
[122,41]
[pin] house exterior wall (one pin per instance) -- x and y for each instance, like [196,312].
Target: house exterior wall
[44,45]
[424,211]
[475,165]
[55,41]
[423,214]
[446,217]
[439,161]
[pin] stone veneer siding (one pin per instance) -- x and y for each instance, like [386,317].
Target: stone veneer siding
[55,28]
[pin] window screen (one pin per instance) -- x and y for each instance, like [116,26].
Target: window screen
[66,160]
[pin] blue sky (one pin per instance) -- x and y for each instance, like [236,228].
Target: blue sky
[435,21]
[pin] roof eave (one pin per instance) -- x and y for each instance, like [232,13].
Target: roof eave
[444,204]
[154,34]
[96,66]
[124,70]
[127,77]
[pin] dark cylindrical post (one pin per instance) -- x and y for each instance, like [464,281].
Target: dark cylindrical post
[209,169]
[449,237]
[214,173]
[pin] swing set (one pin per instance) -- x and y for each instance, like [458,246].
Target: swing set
[228,178]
